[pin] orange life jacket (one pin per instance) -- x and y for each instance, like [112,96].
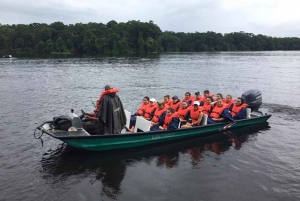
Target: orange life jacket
[142,109]
[149,110]
[228,104]
[110,91]
[210,95]
[194,114]
[191,98]
[182,113]
[157,114]
[206,108]
[203,98]
[169,103]
[236,109]
[175,106]
[168,119]
[217,111]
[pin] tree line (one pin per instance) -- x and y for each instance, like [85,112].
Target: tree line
[130,37]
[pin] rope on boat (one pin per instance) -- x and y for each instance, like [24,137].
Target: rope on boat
[34,133]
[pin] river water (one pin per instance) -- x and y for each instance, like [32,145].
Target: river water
[254,163]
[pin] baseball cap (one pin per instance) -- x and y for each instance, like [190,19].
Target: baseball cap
[175,97]
[197,93]
[196,103]
[152,100]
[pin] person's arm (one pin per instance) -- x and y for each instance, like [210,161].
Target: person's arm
[91,118]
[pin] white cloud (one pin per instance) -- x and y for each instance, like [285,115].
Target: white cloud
[268,17]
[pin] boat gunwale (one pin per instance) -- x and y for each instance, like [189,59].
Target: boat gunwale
[143,133]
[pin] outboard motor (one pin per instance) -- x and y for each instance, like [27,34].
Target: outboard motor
[253,98]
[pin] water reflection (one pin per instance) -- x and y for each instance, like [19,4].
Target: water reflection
[110,167]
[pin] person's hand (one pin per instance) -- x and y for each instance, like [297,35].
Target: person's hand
[161,128]
[214,119]
[87,117]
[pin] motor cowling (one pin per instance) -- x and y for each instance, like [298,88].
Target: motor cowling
[253,98]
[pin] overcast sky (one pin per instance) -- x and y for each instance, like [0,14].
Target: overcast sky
[280,18]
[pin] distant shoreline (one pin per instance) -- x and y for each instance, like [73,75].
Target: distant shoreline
[132,37]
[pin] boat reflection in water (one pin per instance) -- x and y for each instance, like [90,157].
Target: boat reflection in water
[110,167]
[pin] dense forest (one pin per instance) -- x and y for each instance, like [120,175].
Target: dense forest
[130,37]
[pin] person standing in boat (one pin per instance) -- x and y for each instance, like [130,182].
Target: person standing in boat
[111,115]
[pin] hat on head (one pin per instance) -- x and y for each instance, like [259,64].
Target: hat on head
[196,103]
[175,97]
[197,93]
[152,100]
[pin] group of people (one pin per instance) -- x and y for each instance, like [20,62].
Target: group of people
[167,114]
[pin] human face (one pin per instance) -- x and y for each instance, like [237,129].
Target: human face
[206,94]
[183,105]
[208,101]
[218,96]
[220,102]
[145,101]
[198,97]
[166,99]
[228,99]
[196,107]
[175,100]
[161,106]
[168,113]
[152,103]
[187,96]
[238,102]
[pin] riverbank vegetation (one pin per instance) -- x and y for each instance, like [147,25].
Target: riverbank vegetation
[132,37]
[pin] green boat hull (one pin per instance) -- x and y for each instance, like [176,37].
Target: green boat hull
[129,140]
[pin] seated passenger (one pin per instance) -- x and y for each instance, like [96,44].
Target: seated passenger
[196,116]
[219,96]
[188,98]
[91,125]
[218,113]
[175,103]
[228,101]
[207,107]
[149,112]
[183,112]
[207,94]
[167,100]
[139,112]
[238,110]
[160,111]
[199,98]
[168,121]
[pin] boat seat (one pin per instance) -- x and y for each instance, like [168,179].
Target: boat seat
[76,121]
[142,124]
[204,120]
[248,112]
[127,114]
